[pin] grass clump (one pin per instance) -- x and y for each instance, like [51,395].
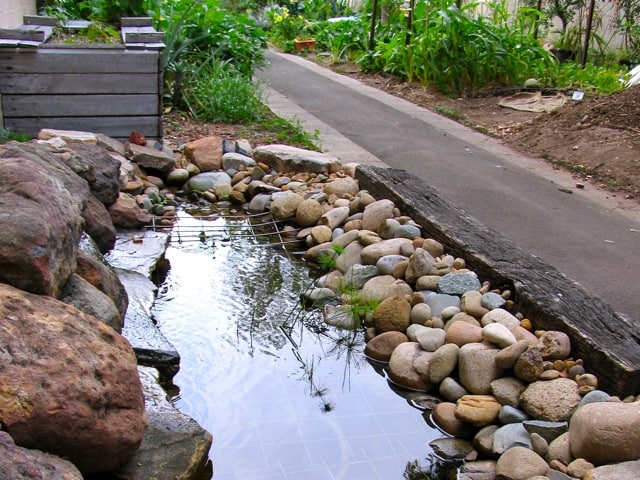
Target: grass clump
[6,135]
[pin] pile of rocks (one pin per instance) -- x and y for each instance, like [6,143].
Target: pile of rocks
[516,404]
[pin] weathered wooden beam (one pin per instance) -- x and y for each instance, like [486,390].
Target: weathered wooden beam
[68,83]
[608,342]
[116,127]
[78,105]
[136,22]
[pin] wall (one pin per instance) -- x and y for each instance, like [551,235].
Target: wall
[11,12]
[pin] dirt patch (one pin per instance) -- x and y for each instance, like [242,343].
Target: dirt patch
[597,139]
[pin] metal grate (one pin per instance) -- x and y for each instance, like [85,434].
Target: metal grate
[259,229]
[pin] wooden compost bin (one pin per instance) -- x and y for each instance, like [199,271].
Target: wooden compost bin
[101,88]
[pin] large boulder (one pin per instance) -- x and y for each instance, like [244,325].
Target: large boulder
[40,224]
[606,432]
[104,183]
[21,463]
[286,158]
[126,213]
[69,384]
[205,153]
[98,224]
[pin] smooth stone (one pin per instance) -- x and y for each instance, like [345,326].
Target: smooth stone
[237,161]
[500,315]
[477,410]
[335,217]
[317,294]
[620,471]
[462,333]
[420,264]
[309,212]
[491,301]
[387,228]
[431,339]
[606,432]
[367,237]
[208,181]
[471,303]
[560,450]
[412,331]
[177,176]
[440,301]
[428,282]
[508,356]
[478,470]
[449,312]
[357,275]
[451,448]
[509,436]
[553,400]
[509,414]
[320,234]
[451,390]
[420,313]
[407,231]
[444,417]
[388,264]
[345,239]
[341,316]
[286,158]
[579,468]
[394,246]
[401,368]
[342,187]
[350,257]
[539,444]
[498,334]
[593,397]
[384,286]
[507,390]
[375,213]
[547,430]
[554,345]
[520,463]
[483,440]
[434,247]
[477,367]
[458,283]
[283,207]
[382,346]
[443,362]
[392,314]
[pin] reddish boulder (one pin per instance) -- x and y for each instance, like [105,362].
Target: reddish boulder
[69,384]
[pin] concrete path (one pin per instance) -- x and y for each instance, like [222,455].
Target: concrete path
[590,236]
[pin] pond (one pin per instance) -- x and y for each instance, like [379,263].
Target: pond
[284,395]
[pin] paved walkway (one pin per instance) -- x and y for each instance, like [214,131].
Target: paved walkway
[590,236]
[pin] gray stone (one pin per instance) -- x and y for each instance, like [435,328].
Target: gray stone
[88,299]
[539,444]
[509,436]
[260,203]
[458,283]
[509,414]
[150,158]
[441,301]
[507,390]
[357,275]
[491,300]
[593,397]
[451,390]
[351,256]
[420,313]
[547,430]
[341,316]
[286,158]
[407,231]
[431,339]
[387,228]
[237,161]
[208,181]
[177,176]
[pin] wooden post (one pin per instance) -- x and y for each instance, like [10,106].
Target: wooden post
[587,33]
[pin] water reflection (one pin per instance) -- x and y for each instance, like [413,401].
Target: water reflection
[284,395]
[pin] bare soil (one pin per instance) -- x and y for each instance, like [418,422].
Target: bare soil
[597,139]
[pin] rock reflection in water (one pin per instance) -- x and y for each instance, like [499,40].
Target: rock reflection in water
[283,394]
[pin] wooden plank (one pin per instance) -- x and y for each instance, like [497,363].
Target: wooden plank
[136,21]
[116,127]
[119,83]
[79,105]
[141,35]
[608,342]
[34,33]
[40,20]
[82,60]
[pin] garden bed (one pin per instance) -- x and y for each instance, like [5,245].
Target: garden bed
[101,87]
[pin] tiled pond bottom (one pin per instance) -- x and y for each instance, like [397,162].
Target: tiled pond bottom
[284,396]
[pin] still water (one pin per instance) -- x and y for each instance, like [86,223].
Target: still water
[284,395]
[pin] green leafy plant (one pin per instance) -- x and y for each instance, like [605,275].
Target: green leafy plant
[6,135]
